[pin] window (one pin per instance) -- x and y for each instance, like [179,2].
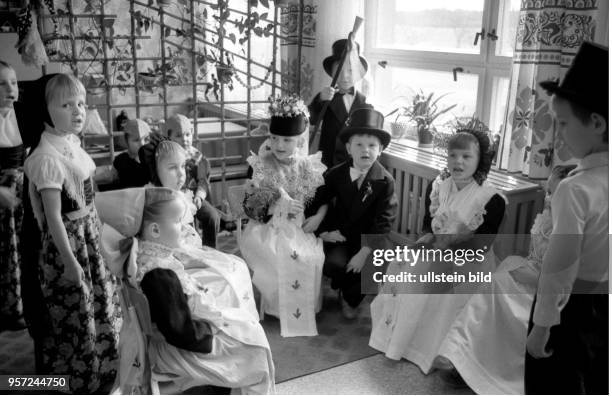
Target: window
[461,49]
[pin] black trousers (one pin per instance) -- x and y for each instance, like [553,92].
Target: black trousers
[337,256]
[209,220]
[579,363]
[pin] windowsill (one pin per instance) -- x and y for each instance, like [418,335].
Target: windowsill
[414,145]
[404,152]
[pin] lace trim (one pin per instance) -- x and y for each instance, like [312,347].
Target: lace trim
[300,178]
[434,196]
[477,219]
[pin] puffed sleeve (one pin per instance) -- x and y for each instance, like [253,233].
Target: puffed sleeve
[44,172]
[170,312]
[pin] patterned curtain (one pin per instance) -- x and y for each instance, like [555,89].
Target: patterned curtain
[297,49]
[548,37]
[323,22]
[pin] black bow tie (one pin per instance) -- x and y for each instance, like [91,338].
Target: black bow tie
[350,91]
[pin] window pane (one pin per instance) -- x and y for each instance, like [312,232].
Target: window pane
[433,25]
[499,100]
[404,83]
[508,22]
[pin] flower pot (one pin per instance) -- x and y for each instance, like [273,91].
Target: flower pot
[224,74]
[425,138]
[398,129]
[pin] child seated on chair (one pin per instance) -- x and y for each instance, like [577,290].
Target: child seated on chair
[178,128]
[278,244]
[206,329]
[166,162]
[127,170]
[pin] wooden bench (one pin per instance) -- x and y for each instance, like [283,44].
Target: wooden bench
[413,169]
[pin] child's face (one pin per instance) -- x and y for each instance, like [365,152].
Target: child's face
[364,149]
[580,138]
[135,142]
[283,147]
[183,136]
[171,171]
[462,163]
[68,113]
[346,79]
[9,92]
[167,229]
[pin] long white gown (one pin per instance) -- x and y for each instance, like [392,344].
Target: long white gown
[219,291]
[487,342]
[412,326]
[287,263]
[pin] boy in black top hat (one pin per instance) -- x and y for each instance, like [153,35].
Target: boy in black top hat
[567,346]
[344,99]
[365,203]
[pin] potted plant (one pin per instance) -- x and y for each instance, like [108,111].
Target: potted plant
[424,111]
[399,128]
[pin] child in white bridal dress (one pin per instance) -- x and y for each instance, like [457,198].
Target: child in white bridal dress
[278,244]
[463,211]
[206,329]
[486,344]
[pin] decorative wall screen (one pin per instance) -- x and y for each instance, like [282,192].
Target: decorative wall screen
[214,61]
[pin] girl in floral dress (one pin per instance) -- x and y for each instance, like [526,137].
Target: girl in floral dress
[12,155]
[78,291]
[278,244]
[461,203]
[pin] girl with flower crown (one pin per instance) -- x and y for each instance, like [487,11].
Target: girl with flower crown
[278,243]
[463,211]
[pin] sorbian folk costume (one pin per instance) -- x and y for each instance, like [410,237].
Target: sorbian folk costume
[147,155]
[12,156]
[208,289]
[287,263]
[495,324]
[413,326]
[85,318]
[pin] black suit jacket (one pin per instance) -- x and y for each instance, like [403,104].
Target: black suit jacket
[336,115]
[369,210]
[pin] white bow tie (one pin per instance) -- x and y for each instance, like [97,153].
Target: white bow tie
[357,173]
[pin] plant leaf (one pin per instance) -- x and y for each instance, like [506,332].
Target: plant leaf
[265,3]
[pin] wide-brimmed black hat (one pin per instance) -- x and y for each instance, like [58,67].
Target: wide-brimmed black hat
[288,126]
[586,81]
[336,55]
[365,122]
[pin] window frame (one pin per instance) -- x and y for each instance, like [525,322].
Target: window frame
[485,64]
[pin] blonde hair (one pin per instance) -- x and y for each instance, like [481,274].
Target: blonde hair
[177,122]
[156,201]
[63,86]
[166,149]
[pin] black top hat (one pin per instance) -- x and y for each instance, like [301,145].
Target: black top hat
[288,126]
[365,122]
[336,55]
[586,81]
